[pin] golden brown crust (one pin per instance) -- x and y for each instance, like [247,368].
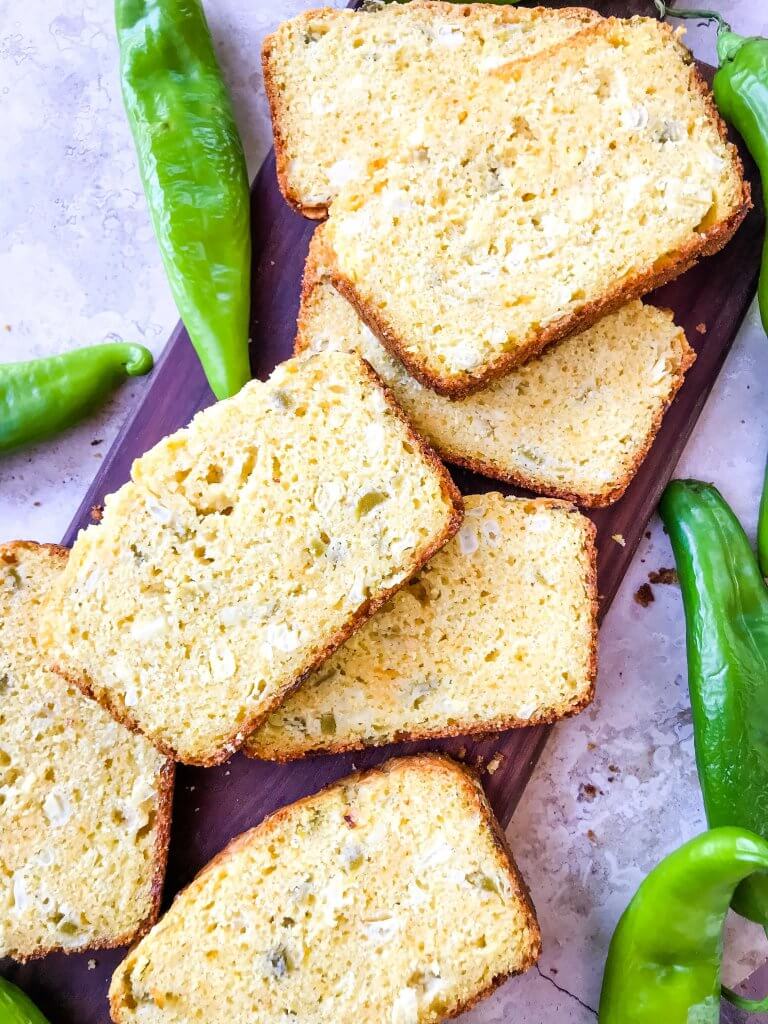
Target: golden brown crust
[9,549]
[319,211]
[274,100]
[496,725]
[453,499]
[313,277]
[164,811]
[661,272]
[425,762]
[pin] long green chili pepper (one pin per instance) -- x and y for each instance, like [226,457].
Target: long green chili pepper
[17,1008]
[726,612]
[45,396]
[665,956]
[741,93]
[762,527]
[193,170]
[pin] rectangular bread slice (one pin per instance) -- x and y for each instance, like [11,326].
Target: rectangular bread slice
[387,897]
[347,89]
[597,173]
[244,550]
[85,805]
[498,631]
[574,423]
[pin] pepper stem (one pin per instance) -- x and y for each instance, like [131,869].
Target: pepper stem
[665,11]
[137,360]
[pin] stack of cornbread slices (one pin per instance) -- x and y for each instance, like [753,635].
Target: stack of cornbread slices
[296,573]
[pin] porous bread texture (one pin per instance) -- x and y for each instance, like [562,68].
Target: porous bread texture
[593,176]
[498,631]
[348,89]
[85,805]
[574,423]
[389,896]
[244,550]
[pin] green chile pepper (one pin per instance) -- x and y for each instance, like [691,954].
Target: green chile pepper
[45,396]
[17,1008]
[193,170]
[665,956]
[726,612]
[762,527]
[741,93]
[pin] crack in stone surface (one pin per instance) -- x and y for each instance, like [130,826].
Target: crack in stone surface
[565,991]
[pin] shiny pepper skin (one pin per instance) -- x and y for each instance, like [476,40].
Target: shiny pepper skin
[194,174]
[42,397]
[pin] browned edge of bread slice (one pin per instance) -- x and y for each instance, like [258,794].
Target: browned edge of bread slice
[313,277]
[596,499]
[277,107]
[500,724]
[664,270]
[469,780]
[364,612]
[164,806]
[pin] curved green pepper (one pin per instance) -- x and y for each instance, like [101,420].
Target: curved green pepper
[726,613]
[193,170]
[665,956]
[45,396]
[741,93]
[17,1008]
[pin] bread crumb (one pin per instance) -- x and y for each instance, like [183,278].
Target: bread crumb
[644,595]
[494,764]
[619,538]
[667,576]
[591,746]
[588,791]
[591,836]
[8,328]
[701,328]
[91,964]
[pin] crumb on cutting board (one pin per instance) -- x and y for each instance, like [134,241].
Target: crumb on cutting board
[663,575]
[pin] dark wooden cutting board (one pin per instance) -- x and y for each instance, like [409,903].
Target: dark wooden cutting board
[212,805]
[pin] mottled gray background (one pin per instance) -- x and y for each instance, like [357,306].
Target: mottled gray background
[616,788]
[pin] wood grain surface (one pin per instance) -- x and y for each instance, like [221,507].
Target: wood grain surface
[212,805]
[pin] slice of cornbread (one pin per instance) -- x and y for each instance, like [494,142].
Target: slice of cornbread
[593,175]
[388,897]
[85,805]
[245,549]
[498,631]
[348,89]
[574,423]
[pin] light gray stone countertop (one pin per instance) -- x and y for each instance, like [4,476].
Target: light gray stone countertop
[616,788]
